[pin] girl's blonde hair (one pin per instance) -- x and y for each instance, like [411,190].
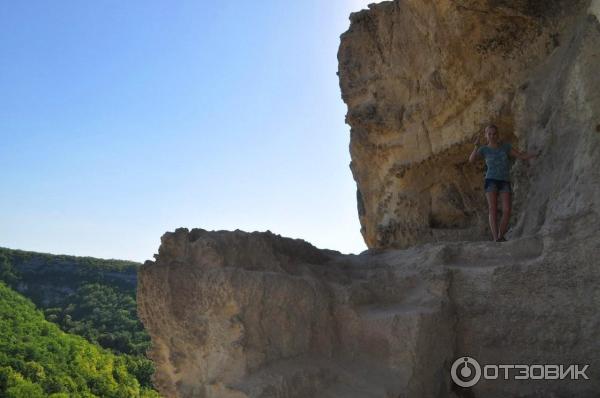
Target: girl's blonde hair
[491,126]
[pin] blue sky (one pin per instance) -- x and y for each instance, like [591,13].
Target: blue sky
[120,120]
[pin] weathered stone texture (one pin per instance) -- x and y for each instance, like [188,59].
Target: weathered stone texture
[422,78]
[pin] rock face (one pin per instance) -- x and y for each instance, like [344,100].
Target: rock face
[422,78]
[233,314]
[236,314]
[239,315]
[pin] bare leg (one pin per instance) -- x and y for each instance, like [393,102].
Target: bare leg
[506,209]
[492,198]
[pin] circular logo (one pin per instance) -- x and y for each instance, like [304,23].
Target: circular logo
[465,372]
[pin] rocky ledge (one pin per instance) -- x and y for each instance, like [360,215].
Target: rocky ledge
[237,314]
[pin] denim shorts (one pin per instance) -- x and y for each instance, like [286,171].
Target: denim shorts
[492,185]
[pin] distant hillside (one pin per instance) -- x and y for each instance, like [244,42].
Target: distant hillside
[90,297]
[37,359]
[47,277]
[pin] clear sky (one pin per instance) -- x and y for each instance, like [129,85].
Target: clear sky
[120,120]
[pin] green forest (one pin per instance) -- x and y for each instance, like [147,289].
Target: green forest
[70,328]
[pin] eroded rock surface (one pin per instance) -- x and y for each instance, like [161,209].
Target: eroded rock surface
[240,315]
[422,78]
[236,314]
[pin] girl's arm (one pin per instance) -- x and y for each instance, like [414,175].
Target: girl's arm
[474,155]
[523,155]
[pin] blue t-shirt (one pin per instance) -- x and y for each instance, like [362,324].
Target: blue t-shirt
[496,159]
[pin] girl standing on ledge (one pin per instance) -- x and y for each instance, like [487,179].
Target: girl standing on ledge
[497,177]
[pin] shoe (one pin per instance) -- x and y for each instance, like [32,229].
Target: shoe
[501,239]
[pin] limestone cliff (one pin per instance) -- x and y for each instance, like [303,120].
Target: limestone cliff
[422,78]
[236,314]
